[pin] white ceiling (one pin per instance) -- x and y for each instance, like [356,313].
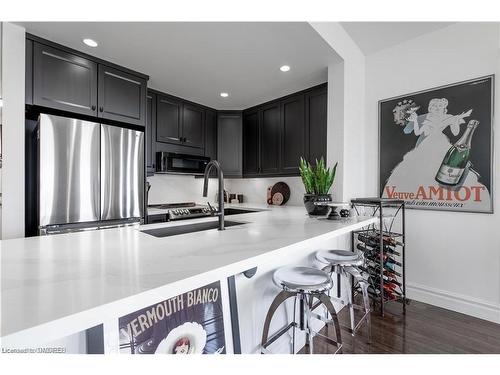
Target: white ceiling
[375,36]
[198,60]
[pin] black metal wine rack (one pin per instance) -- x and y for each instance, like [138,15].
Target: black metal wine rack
[384,250]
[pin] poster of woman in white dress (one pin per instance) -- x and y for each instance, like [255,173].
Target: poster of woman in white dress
[436,147]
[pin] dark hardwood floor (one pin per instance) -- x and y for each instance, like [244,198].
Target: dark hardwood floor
[425,329]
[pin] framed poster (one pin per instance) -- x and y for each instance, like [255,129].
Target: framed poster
[436,147]
[191,323]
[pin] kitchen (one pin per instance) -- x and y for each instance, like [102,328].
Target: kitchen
[162,199]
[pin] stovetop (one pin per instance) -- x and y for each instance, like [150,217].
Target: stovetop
[167,206]
[184,210]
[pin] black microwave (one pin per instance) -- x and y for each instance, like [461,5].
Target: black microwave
[169,162]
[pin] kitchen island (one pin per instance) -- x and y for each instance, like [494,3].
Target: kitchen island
[55,286]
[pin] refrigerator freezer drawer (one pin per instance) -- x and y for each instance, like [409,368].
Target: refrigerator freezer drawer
[69,170]
[122,173]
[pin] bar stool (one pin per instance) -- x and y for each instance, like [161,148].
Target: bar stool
[303,284]
[346,263]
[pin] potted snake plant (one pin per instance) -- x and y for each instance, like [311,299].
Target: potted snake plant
[317,180]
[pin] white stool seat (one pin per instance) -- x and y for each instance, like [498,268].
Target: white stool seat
[339,257]
[305,279]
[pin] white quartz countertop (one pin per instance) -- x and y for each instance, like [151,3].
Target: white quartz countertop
[87,276]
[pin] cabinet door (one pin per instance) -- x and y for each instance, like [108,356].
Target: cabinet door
[294,134]
[28,91]
[150,130]
[64,81]
[193,133]
[229,143]
[168,120]
[316,117]
[122,96]
[270,140]
[211,134]
[251,147]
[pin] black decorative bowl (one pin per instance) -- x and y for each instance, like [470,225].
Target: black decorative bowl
[312,208]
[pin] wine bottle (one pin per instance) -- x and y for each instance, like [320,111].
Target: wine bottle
[387,280]
[387,259]
[373,267]
[456,158]
[370,249]
[373,240]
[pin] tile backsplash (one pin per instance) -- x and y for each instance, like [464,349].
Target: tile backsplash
[254,190]
[169,188]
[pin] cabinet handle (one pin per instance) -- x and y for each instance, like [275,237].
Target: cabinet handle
[101,109]
[93,107]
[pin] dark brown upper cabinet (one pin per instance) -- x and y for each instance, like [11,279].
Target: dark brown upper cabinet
[64,81]
[229,143]
[168,120]
[211,134]
[251,145]
[150,133]
[316,115]
[61,78]
[294,134]
[193,126]
[122,96]
[277,134]
[270,140]
[180,123]
[28,91]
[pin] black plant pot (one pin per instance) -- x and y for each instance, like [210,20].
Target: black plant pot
[314,210]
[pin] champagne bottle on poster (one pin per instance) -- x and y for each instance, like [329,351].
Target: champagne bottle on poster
[455,161]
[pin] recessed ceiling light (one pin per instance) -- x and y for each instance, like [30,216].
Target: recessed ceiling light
[90,42]
[285,68]
[224,94]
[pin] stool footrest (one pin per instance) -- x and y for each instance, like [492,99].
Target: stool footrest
[277,335]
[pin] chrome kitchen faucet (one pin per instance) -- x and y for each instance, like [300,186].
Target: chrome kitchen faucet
[220,177]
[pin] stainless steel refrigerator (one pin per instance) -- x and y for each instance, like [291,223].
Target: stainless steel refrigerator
[89,174]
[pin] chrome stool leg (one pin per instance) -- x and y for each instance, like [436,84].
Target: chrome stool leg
[303,284]
[278,300]
[356,274]
[345,263]
[306,306]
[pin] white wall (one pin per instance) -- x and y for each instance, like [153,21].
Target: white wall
[453,258]
[346,111]
[13,56]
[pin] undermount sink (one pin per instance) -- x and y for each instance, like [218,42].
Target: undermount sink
[236,211]
[188,228]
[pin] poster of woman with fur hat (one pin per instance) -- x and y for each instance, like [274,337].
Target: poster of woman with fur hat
[190,323]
